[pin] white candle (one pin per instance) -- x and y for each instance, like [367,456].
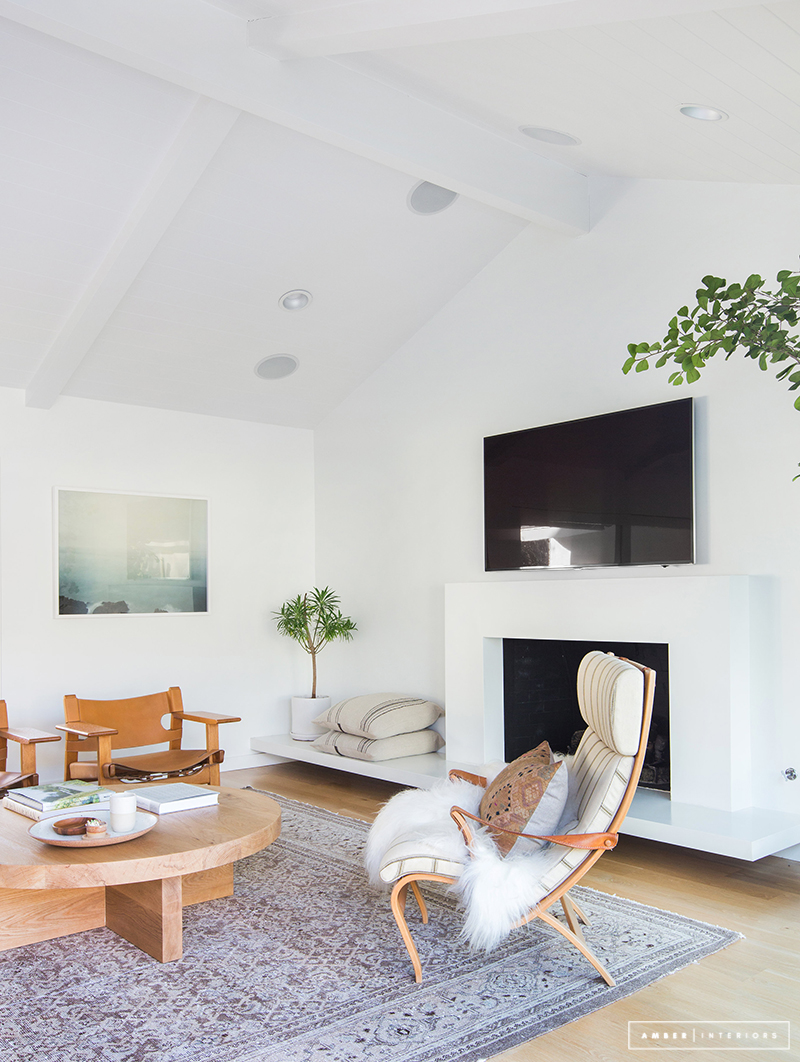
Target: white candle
[123,812]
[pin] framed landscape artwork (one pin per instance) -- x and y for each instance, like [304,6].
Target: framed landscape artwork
[130,553]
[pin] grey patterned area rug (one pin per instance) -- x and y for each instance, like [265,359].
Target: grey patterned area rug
[305,964]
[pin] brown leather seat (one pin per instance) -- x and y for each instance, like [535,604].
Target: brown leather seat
[102,727]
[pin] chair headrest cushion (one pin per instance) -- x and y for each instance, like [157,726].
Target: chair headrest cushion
[610,696]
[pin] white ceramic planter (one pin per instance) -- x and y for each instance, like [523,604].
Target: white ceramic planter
[304,711]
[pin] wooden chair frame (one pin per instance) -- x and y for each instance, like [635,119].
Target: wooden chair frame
[596,843]
[138,723]
[27,739]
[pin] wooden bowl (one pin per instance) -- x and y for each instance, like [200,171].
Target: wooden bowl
[69,827]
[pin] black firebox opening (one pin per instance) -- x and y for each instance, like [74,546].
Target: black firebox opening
[541,702]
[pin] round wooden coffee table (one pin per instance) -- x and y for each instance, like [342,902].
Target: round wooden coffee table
[138,888]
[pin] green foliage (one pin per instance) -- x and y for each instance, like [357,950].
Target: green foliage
[313,620]
[730,318]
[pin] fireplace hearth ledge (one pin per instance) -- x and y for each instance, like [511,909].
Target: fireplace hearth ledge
[750,833]
[747,834]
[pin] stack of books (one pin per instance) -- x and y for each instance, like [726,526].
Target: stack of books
[40,801]
[176,796]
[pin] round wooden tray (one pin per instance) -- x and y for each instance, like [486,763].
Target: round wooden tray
[43,830]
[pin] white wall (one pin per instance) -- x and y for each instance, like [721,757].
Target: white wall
[259,483]
[539,336]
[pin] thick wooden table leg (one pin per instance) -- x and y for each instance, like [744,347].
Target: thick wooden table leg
[207,885]
[149,915]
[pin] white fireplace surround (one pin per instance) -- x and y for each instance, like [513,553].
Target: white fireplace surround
[705,620]
[717,673]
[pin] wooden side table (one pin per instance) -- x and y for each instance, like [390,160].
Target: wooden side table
[137,888]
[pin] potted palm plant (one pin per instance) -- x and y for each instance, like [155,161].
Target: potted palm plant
[313,620]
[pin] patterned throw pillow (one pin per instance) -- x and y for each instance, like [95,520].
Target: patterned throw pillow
[528,796]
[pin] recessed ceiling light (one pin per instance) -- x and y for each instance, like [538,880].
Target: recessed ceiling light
[703,113]
[295,300]
[549,136]
[276,366]
[427,198]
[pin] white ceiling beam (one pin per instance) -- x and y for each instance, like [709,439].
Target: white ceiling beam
[376,25]
[205,49]
[244,8]
[184,163]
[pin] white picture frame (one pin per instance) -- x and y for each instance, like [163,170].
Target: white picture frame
[122,553]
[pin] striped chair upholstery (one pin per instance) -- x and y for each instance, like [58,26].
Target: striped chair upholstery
[610,694]
[418,856]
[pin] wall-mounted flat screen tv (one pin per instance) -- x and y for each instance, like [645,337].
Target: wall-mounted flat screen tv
[616,489]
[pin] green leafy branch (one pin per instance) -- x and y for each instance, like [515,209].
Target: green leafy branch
[313,620]
[729,318]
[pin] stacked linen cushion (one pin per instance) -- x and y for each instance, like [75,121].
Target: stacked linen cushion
[379,726]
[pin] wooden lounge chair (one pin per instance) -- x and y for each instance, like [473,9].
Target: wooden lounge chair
[27,739]
[616,700]
[102,727]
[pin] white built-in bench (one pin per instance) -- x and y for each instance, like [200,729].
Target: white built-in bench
[748,834]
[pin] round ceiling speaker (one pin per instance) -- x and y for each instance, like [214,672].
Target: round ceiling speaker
[427,198]
[276,366]
[295,300]
[702,113]
[549,136]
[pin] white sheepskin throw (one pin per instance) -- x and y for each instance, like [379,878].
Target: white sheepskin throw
[422,814]
[496,891]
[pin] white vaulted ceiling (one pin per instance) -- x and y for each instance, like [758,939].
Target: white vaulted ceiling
[617,87]
[169,168]
[276,210]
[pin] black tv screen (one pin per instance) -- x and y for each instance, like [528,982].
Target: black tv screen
[617,489]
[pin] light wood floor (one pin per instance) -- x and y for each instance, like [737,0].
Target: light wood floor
[754,979]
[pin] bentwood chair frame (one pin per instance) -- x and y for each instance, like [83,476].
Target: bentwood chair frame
[101,727]
[27,739]
[596,843]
